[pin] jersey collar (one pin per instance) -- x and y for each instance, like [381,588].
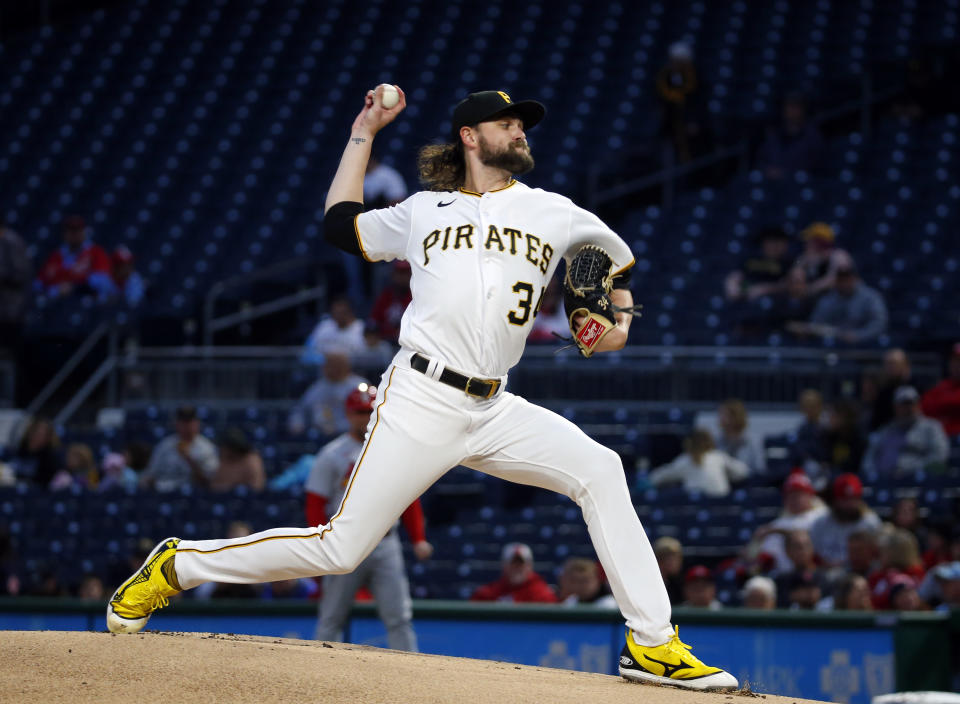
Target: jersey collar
[513,182]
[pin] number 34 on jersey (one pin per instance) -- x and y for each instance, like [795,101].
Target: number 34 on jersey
[530,246]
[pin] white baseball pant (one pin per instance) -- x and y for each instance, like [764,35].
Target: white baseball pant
[421,428]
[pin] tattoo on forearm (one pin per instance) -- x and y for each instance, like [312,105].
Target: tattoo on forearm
[358,140]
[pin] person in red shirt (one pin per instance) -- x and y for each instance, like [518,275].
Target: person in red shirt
[79,266]
[942,402]
[392,302]
[900,557]
[518,583]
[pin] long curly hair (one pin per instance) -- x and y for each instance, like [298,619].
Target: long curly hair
[442,167]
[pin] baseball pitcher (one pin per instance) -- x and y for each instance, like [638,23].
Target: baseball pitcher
[482,247]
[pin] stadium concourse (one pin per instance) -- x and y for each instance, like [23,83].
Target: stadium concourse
[186,145]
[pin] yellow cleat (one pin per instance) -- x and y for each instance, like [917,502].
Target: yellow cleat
[147,590]
[671,664]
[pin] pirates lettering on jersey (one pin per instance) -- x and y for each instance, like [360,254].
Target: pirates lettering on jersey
[531,247]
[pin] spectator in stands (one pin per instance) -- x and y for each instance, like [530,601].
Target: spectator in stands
[899,557]
[936,543]
[810,439]
[848,513]
[763,274]
[38,457]
[760,593]
[941,587]
[382,185]
[732,419]
[803,591]
[909,443]
[185,458]
[852,594]
[91,588]
[677,90]
[852,312]
[699,589]
[799,548]
[862,552]
[78,267]
[791,306]
[922,93]
[117,474]
[137,455]
[906,515]
[552,318]
[126,284]
[15,275]
[340,331]
[321,406]
[518,583]
[794,145]
[801,508]
[845,443]
[80,469]
[902,595]
[580,583]
[821,259]
[896,373]
[376,351]
[240,464]
[393,300]
[701,467]
[942,402]
[669,553]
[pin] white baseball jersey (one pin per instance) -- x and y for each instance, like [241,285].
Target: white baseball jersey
[505,244]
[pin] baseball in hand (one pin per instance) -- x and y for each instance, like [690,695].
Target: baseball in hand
[389,96]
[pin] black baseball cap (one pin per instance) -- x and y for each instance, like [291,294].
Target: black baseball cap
[487,104]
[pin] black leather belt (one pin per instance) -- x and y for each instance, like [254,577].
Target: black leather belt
[472,386]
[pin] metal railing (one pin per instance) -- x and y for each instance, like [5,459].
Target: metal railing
[213,325]
[103,330]
[653,377]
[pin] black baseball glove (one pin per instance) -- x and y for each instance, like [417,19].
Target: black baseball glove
[586,292]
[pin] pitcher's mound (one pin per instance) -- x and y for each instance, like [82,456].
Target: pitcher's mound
[76,666]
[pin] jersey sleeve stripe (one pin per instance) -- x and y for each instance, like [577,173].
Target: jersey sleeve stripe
[310,536]
[356,230]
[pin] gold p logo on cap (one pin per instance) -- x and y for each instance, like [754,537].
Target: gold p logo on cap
[504,96]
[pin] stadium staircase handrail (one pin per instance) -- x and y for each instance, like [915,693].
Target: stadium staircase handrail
[104,329]
[213,325]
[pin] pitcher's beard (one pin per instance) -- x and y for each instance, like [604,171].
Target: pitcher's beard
[512,158]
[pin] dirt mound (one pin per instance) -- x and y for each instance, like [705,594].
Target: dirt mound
[76,666]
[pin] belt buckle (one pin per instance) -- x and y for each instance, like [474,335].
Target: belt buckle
[494,385]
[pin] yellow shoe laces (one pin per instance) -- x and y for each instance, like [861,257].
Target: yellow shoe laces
[679,647]
[153,599]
